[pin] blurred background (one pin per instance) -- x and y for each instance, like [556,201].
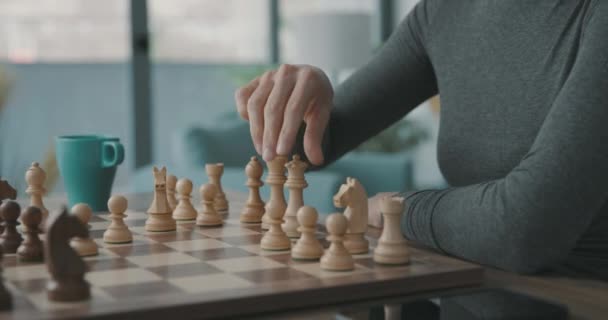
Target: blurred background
[161,76]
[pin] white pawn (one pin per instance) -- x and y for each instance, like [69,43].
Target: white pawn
[83,246]
[117,232]
[184,209]
[308,246]
[275,239]
[171,181]
[392,247]
[35,178]
[208,216]
[337,258]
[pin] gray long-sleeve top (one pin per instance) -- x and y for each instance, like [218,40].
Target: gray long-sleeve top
[523,138]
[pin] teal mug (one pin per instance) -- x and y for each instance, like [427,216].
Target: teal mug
[88,164]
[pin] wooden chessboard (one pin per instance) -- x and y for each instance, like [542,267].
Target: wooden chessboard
[218,272]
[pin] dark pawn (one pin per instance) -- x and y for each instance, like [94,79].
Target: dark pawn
[31,249]
[6,300]
[10,238]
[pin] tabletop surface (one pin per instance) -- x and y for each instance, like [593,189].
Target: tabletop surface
[219,272]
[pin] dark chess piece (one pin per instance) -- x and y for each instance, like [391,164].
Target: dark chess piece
[31,249]
[6,300]
[66,267]
[10,238]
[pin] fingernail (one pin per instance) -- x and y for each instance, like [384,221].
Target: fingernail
[282,148]
[268,154]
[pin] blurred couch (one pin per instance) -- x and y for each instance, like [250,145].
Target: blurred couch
[229,142]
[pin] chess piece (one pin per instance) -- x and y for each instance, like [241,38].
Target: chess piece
[208,216]
[275,179]
[337,258]
[308,246]
[31,249]
[184,209]
[6,191]
[10,238]
[296,184]
[35,178]
[6,300]
[171,182]
[214,172]
[83,246]
[254,208]
[392,247]
[352,195]
[65,266]
[117,232]
[160,214]
[275,238]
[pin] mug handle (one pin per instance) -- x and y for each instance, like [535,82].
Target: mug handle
[112,153]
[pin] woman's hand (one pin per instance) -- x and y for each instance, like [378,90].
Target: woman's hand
[276,103]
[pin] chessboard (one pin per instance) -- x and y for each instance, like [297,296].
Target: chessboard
[215,272]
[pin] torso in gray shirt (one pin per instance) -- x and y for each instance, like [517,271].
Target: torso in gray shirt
[524,128]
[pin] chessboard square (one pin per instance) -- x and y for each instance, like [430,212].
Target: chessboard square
[180,235]
[31,285]
[314,269]
[253,239]
[141,249]
[194,245]
[273,275]
[26,272]
[137,240]
[184,270]
[213,282]
[226,231]
[155,288]
[121,277]
[245,264]
[288,260]
[256,249]
[162,259]
[220,253]
[109,264]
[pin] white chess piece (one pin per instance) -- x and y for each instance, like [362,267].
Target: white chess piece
[214,172]
[392,247]
[337,258]
[208,216]
[275,179]
[171,181]
[160,216]
[184,209]
[254,208]
[118,231]
[296,184]
[84,246]
[353,197]
[275,238]
[308,246]
[35,178]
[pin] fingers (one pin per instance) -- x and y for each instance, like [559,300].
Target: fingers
[294,114]
[316,122]
[275,109]
[242,95]
[255,109]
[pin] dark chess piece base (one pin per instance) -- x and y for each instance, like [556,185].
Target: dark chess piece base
[68,290]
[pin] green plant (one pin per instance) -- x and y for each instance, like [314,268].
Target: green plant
[401,136]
